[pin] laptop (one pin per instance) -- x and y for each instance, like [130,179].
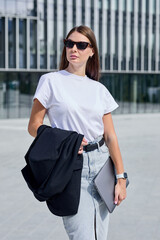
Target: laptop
[105,182]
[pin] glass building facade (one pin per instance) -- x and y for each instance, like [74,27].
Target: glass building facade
[128,38]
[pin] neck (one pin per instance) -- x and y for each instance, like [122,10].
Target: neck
[80,70]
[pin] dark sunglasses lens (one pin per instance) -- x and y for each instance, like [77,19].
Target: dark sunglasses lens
[69,43]
[82,45]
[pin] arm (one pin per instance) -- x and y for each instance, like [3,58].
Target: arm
[36,119]
[112,143]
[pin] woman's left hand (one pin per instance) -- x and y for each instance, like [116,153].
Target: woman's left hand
[120,191]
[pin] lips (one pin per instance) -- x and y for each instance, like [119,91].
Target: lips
[73,56]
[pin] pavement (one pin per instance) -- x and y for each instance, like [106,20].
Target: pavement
[22,217]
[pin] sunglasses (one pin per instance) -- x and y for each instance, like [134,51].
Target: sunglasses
[80,45]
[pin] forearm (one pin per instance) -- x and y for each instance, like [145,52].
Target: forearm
[33,127]
[115,153]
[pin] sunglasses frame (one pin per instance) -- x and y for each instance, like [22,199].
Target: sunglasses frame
[88,44]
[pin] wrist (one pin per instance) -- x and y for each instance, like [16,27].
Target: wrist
[121,176]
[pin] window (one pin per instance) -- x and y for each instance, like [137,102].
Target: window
[22,43]
[12,42]
[2,44]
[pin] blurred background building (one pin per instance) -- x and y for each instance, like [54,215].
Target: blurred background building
[128,37]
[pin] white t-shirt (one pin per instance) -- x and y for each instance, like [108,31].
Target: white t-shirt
[75,102]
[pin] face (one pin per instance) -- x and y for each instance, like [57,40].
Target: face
[76,56]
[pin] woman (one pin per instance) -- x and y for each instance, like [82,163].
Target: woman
[74,100]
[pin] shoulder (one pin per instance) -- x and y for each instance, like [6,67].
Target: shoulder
[98,84]
[50,78]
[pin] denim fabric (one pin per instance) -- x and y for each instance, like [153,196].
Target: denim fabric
[92,215]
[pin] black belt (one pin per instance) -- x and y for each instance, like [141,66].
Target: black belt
[91,147]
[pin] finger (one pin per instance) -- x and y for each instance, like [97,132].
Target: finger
[85,140]
[116,198]
[80,151]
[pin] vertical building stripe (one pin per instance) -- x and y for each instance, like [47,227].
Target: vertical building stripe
[157,34]
[6,42]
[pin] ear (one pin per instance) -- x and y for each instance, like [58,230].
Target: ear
[92,53]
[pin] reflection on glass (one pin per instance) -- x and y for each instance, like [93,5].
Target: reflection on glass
[31,7]
[12,42]
[2,44]
[22,43]
[33,43]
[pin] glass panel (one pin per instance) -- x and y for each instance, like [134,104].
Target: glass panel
[51,32]
[92,15]
[43,34]
[12,93]
[69,16]
[83,12]
[21,7]
[146,36]
[11,7]
[74,12]
[33,43]
[114,5]
[32,8]
[3,90]
[153,55]
[100,31]
[134,93]
[22,43]
[139,36]
[12,42]
[107,57]
[153,7]
[65,18]
[115,58]
[2,43]
[60,28]
[131,5]
[123,62]
[55,36]
[2,7]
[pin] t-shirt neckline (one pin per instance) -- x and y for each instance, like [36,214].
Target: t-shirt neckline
[74,75]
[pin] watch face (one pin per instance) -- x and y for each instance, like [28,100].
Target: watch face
[125,175]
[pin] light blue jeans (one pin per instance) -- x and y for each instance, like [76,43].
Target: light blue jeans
[91,221]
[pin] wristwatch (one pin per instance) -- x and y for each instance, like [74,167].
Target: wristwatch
[122,175]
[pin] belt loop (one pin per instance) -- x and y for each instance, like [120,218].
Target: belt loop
[98,146]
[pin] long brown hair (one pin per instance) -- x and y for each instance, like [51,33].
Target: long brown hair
[92,66]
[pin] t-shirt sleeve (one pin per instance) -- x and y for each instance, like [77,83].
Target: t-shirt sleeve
[43,91]
[109,102]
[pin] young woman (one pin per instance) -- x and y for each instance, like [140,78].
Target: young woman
[74,99]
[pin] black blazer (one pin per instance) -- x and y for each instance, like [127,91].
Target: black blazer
[53,170]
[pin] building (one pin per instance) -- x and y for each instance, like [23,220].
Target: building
[128,37]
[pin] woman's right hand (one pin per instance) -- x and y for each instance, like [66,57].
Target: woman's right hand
[83,143]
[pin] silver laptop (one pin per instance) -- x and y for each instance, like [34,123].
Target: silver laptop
[105,184]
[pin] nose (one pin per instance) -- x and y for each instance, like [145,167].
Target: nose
[74,47]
